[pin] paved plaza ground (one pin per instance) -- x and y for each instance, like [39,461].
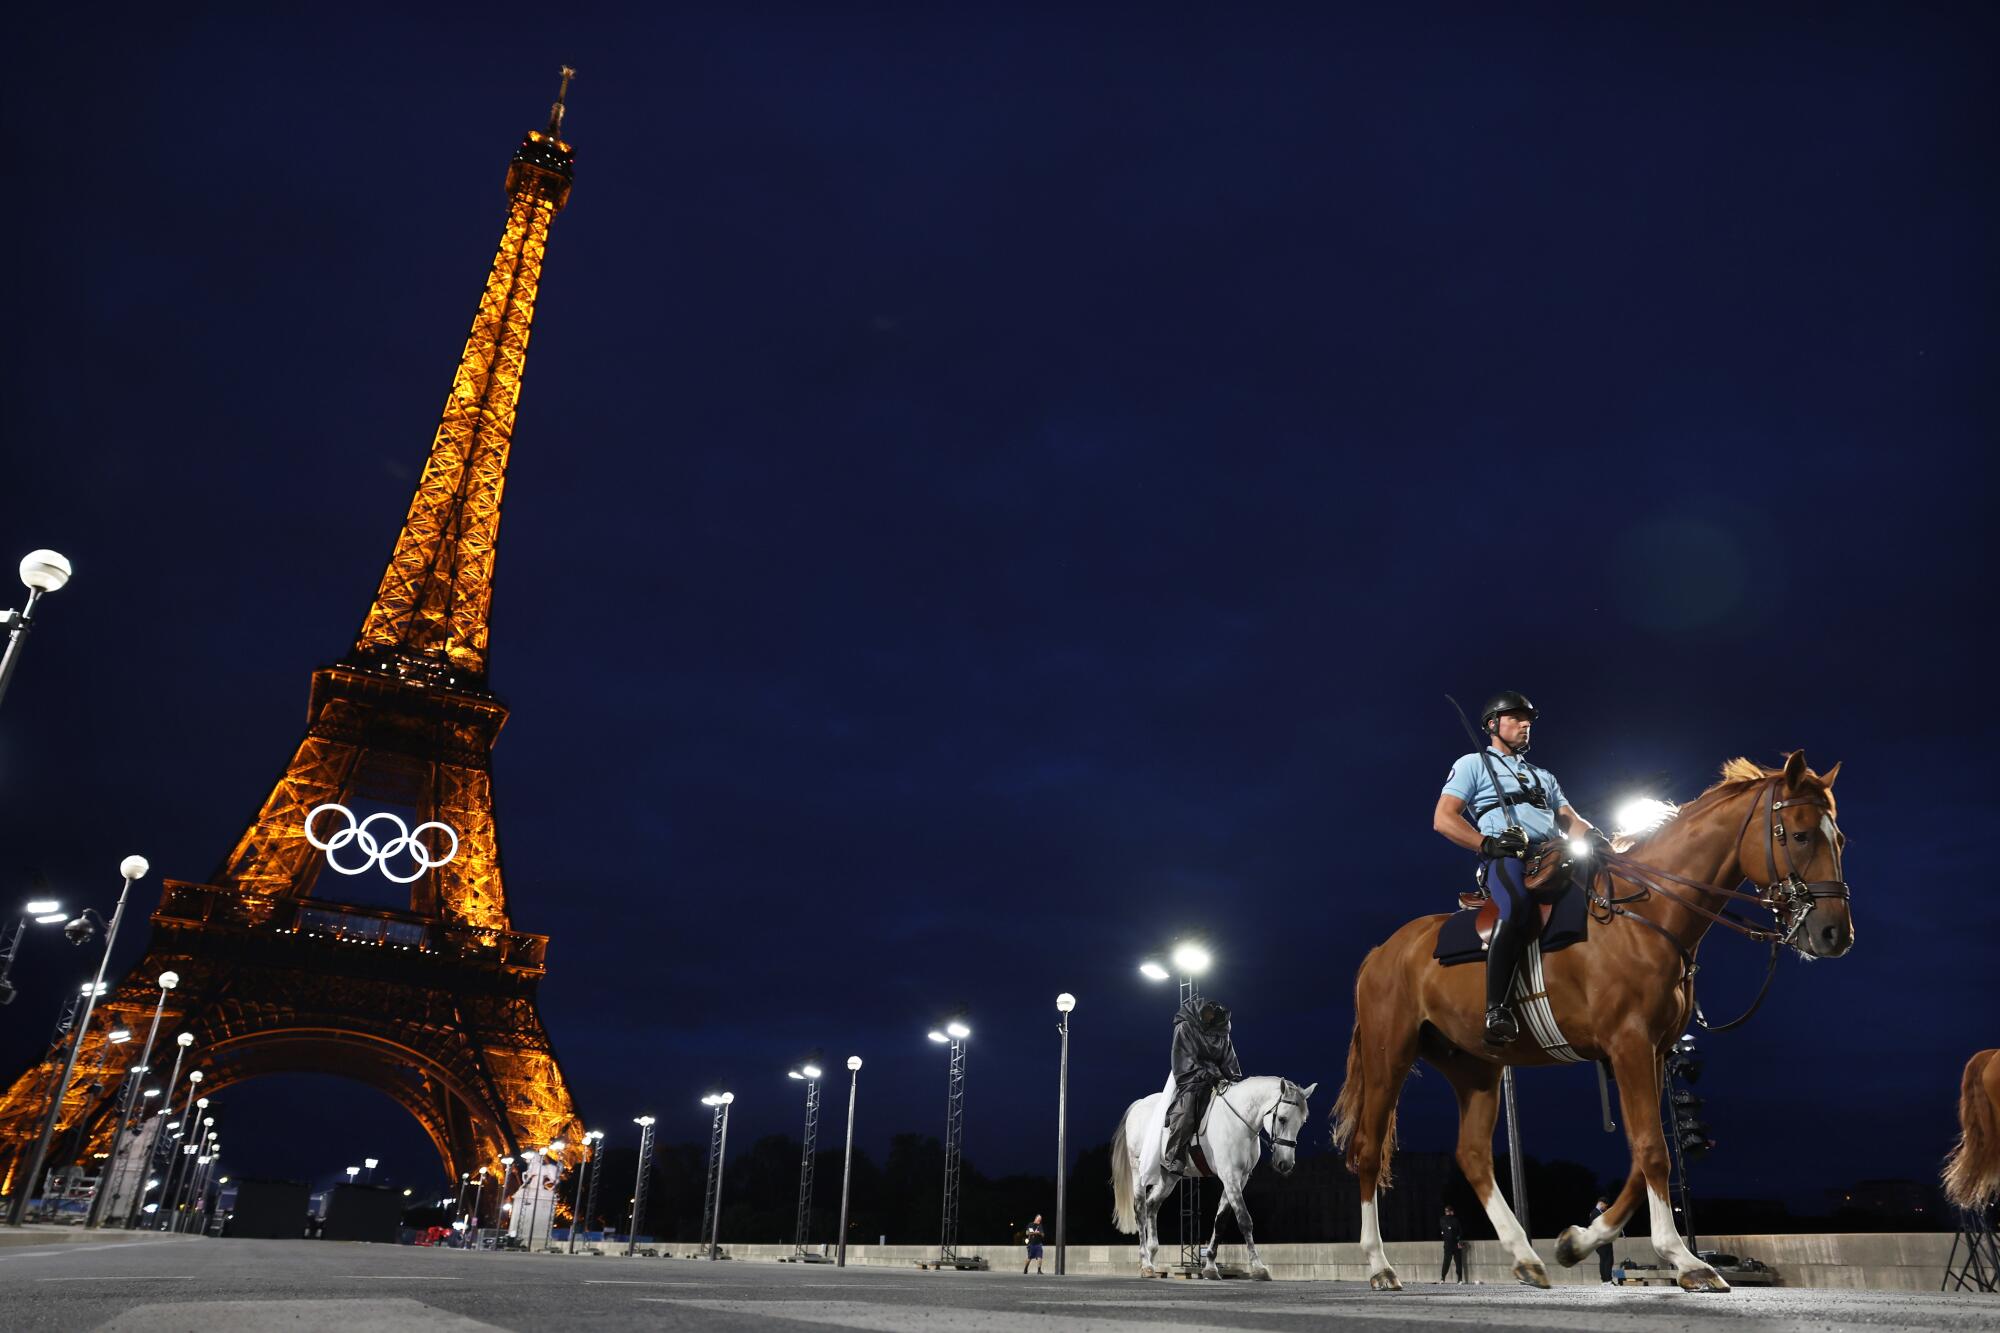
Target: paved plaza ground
[221,1286]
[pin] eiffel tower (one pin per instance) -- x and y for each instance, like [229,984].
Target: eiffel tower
[434,1006]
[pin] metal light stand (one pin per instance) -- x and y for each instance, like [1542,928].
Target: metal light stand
[847,1160]
[133,868]
[1190,1191]
[711,1198]
[596,1176]
[802,1230]
[639,1186]
[134,1086]
[1064,1003]
[954,1142]
[1515,1167]
[1980,1269]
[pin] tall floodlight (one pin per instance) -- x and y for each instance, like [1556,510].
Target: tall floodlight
[1190,960]
[41,911]
[131,869]
[847,1159]
[41,571]
[1065,1005]
[718,1150]
[645,1124]
[807,1073]
[168,980]
[954,1035]
[579,1217]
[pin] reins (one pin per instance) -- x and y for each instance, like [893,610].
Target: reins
[1787,897]
[1284,1099]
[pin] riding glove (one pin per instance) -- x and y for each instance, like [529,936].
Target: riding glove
[1511,842]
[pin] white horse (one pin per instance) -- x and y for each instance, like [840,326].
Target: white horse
[1229,1138]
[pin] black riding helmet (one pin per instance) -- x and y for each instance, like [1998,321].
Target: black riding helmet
[1507,701]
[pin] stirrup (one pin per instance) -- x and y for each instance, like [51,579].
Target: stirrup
[1500,1026]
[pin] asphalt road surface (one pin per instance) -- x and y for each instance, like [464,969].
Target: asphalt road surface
[225,1286]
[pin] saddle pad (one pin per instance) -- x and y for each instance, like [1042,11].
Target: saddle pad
[1569,921]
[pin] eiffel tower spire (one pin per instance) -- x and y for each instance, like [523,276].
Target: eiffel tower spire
[429,617]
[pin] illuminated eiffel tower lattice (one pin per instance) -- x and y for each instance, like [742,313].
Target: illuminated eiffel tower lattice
[434,1006]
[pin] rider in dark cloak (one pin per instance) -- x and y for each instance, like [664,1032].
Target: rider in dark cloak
[1204,1056]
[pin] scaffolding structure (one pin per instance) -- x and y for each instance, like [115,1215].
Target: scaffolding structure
[1190,1191]
[802,1231]
[954,1142]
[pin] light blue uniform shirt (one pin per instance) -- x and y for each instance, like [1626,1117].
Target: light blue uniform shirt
[1468,782]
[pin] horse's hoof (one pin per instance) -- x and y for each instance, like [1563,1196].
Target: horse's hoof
[1570,1248]
[1703,1278]
[1212,1273]
[1259,1273]
[1531,1273]
[1146,1270]
[1385,1281]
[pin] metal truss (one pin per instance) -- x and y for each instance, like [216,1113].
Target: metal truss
[642,1186]
[1190,1192]
[708,1210]
[434,1006]
[802,1231]
[954,1143]
[1979,1269]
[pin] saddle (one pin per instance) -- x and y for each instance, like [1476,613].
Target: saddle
[1565,920]
[1548,868]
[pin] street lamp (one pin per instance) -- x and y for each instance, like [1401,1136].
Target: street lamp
[41,911]
[42,572]
[352,1172]
[132,868]
[718,1155]
[370,1163]
[177,1129]
[954,1035]
[167,980]
[645,1124]
[807,1073]
[1065,1003]
[478,1192]
[847,1159]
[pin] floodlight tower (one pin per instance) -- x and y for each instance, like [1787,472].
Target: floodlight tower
[718,1150]
[1190,959]
[807,1073]
[954,1034]
[645,1124]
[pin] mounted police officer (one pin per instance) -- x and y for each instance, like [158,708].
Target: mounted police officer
[1204,1056]
[1471,814]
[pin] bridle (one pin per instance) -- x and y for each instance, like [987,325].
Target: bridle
[1285,1090]
[1787,896]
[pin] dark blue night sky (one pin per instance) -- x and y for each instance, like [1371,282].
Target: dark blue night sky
[994,490]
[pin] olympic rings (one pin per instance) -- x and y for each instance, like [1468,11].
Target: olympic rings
[378,853]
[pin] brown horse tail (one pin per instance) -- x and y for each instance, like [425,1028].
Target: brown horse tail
[1347,1108]
[1972,1170]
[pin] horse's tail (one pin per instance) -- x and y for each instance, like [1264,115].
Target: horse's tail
[1972,1171]
[1124,1215]
[1347,1108]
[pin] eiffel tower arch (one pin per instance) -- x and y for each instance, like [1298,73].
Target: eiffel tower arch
[434,1005]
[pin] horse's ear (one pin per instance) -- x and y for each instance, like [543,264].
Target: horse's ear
[1826,778]
[1795,768]
[1307,1091]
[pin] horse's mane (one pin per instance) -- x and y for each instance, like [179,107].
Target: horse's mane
[1736,775]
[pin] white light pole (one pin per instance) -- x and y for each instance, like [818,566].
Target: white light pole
[132,868]
[579,1215]
[645,1124]
[1065,1003]
[847,1159]
[178,1129]
[369,1164]
[168,980]
[478,1192]
[42,572]
[809,1074]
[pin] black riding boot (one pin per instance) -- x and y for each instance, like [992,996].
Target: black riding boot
[1503,956]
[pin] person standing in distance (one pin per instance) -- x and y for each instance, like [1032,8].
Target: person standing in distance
[1453,1232]
[1035,1234]
[1604,1250]
[1471,815]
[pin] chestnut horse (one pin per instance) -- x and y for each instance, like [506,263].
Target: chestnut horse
[1624,995]
[1972,1172]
